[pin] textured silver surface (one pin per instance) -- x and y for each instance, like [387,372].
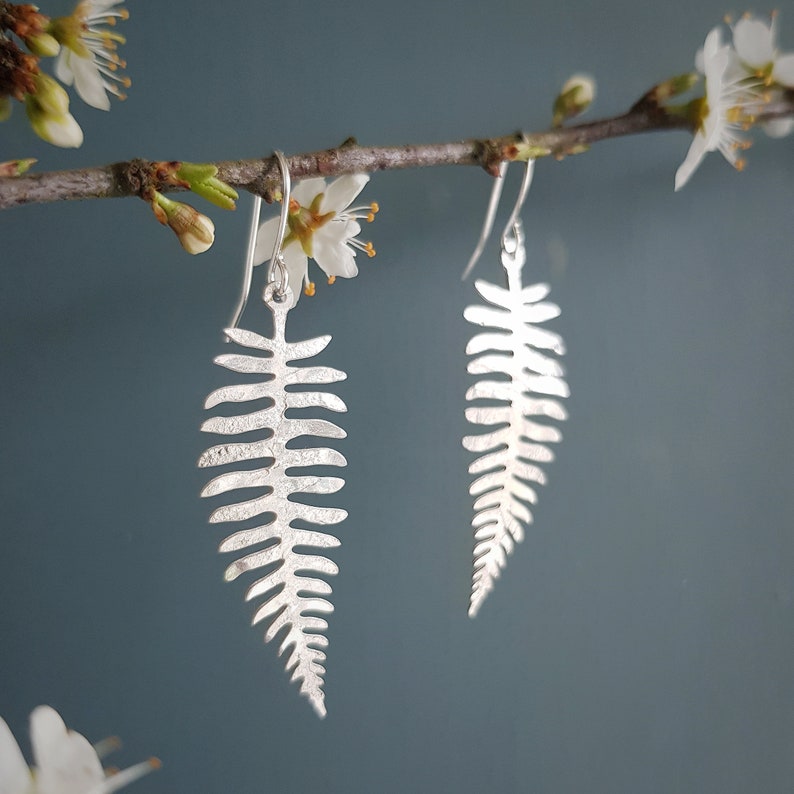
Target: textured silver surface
[526,380]
[293,594]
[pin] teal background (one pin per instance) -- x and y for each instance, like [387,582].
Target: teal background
[641,638]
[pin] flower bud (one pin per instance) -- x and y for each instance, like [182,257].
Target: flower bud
[679,84]
[16,167]
[48,113]
[575,97]
[43,44]
[49,96]
[196,232]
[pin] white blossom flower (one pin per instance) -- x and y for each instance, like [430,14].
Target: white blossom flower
[755,43]
[726,109]
[321,225]
[88,55]
[65,761]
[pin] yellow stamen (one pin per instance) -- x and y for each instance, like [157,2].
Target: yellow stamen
[370,249]
[734,115]
[309,289]
[331,279]
[740,164]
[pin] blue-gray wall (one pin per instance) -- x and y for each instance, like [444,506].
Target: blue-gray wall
[642,636]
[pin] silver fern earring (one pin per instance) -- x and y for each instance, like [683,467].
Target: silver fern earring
[524,381]
[294,595]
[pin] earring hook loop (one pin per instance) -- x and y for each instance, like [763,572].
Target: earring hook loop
[513,224]
[277,260]
[277,263]
[493,205]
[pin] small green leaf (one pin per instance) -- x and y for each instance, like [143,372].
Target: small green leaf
[201,179]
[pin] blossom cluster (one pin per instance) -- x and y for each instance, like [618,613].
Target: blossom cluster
[742,77]
[85,46]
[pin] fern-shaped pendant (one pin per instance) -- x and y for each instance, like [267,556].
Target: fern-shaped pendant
[512,451]
[294,595]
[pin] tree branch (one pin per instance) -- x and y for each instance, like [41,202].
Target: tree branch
[261,175]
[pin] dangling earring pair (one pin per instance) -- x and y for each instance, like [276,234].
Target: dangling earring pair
[293,593]
[521,378]
[524,381]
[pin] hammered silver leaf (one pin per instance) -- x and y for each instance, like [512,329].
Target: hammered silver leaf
[293,593]
[526,380]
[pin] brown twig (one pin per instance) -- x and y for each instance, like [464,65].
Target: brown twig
[132,178]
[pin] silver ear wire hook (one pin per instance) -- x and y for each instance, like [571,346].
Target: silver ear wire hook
[514,222]
[493,205]
[490,214]
[277,260]
[249,264]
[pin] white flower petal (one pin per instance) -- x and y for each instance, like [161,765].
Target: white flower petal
[783,71]
[265,240]
[336,260]
[735,71]
[712,44]
[334,256]
[697,151]
[754,42]
[297,269]
[778,128]
[715,59]
[99,6]
[14,773]
[63,68]
[699,62]
[66,763]
[89,84]
[47,731]
[305,191]
[342,191]
[337,232]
